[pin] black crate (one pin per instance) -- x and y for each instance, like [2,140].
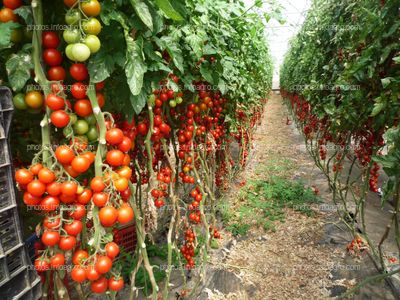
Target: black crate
[30,246]
[16,261]
[7,189]
[5,156]
[10,235]
[34,293]
[15,288]
[6,111]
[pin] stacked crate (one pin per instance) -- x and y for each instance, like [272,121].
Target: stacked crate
[18,279]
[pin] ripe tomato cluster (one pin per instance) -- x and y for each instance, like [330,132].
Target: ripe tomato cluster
[188,249]
[373,180]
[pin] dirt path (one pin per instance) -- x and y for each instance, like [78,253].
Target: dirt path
[305,257]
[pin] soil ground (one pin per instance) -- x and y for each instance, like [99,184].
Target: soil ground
[305,257]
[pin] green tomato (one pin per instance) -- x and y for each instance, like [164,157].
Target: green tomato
[91,119]
[28,34]
[80,52]
[73,118]
[71,36]
[172,103]
[19,101]
[16,35]
[68,52]
[92,42]
[72,17]
[91,26]
[68,131]
[81,127]
[179,100]
[92,134]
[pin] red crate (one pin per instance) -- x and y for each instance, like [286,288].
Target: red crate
[126,238]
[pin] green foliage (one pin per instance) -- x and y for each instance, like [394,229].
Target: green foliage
[263,204]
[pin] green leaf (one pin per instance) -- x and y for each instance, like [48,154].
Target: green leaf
[176,55]
[18,68]
[138,101]
[100,66]
[386,81]
[206,73]
[168,10]
[143,12]
[5,33]
[377,108]
[134,67]
[25,12]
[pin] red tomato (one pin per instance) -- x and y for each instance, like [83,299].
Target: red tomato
[99,286]
[125,145]
[13,4]
[29,199]
[115,284]
[108,216]
[78,90]
[46,176]
[125,214]
[59,118]
[57,261]
[52,57]
[103,264]
[78,212]
[80,164]
[100,199]
[49,203]
[78,274]
[79,72]
[74,228]
[51,222]
[36,188]
[42,264]
[64,154]
[83,108]
[54,189]
[92,274]
[50,39]
[23,176]
[115,158]
[78,256]
[55,102]
[112,250]
[50,238]
[69,188]
[114,136]
[56,73]
[85,196]
[67,243]
[97,184]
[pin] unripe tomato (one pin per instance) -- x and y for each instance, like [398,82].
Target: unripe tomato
[91,26]
[71,36]
[80,52]
[72,17]
[19,101]
[34,99]
[93,43]
[91,8]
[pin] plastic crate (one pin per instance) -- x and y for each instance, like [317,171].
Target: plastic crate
[6,111]
[12,264]
[7,190]
[126,238]
[34,293]
[17,287]
[4,153]
[10,235]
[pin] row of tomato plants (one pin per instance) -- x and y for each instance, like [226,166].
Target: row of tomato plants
[344,96]
[141,102]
